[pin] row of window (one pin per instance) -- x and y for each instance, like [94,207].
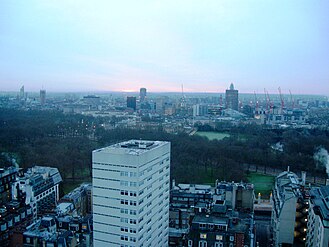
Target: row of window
[126,238]
[218,237]
[126,229]
[128,193]
[126,220]
[127,183]
[107,164]
[45,193]
[128,174]
[126,211]
[127,202]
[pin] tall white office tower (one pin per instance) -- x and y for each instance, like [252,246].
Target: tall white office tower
[131,194]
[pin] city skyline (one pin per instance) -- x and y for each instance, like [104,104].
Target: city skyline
[89,47]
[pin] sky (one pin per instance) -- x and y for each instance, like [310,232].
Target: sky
[91,46]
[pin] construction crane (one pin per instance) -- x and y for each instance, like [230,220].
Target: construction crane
[268,100]
[292,100]
[281,98]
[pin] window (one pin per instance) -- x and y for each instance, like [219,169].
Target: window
[218,244]
[190,243]
[125,202]
[133,184]
[124,220]
[124,211]
[125,238]
[133,212]
[202,243]
[124,192]
[133,203]
[141,192]
[131,221]
[124,174]
[203,235]
[132,230]
[231,238]
[219,237]
[123,183]
[124,229]
[132,174]
[202,226]
[132,239]
[132,193]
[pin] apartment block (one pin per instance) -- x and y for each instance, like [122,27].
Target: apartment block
[131,194]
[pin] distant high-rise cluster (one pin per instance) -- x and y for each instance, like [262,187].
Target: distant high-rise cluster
[232,98]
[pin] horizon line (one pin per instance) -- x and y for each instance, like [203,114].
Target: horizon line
[157,92]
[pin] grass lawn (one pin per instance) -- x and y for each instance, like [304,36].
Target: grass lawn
[263,184]
[212,135]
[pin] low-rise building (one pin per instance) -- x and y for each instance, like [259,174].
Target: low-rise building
[289,213]
[318,217]
[40,186]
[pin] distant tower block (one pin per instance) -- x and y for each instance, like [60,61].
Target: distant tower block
[131,102]
[142,94]
[21,93]
[42,97]
[232,98]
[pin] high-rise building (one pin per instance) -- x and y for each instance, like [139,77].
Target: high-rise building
[232,98]
[21,93]
[42,97]
[318,218]
[131,194]
[142,94]
[131,102]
